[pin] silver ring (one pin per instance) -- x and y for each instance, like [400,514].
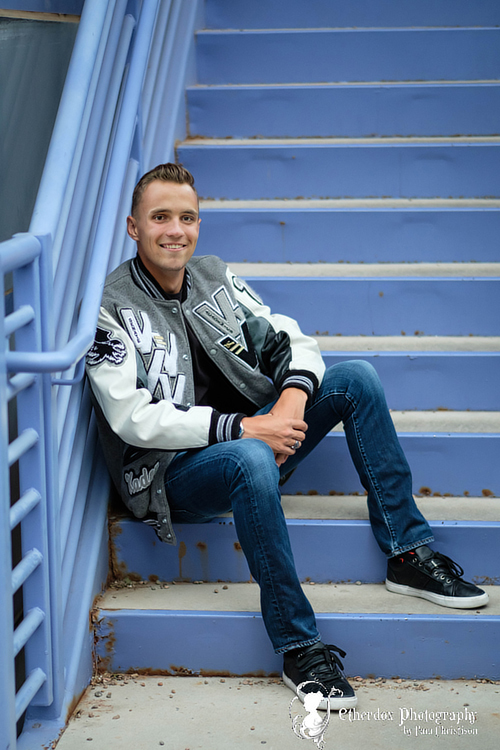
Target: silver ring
[296,445]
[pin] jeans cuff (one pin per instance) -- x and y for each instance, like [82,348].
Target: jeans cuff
[411,546]
[293,646]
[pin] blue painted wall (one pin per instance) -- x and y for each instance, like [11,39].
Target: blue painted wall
[34,58]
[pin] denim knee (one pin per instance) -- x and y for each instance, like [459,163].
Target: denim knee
[253,462]
[355,377]
[354,369]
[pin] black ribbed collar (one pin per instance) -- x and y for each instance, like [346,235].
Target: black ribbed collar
[147,282]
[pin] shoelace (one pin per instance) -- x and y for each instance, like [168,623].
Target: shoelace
[447,565]
[440,564]
[323,663]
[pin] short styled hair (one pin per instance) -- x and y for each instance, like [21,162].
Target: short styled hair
[166,173]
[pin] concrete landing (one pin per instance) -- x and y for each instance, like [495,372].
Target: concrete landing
[133,712]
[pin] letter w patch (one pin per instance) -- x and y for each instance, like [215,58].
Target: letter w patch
[229,321]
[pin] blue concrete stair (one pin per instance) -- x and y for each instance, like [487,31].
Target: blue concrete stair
[266,14]
[206,618]
[225,636]
[347,159]
[345,168]
[344,110]
[464,527]
[352,231]
[367,54]
[371,305]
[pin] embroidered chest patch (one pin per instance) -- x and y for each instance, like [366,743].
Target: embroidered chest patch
[229,321]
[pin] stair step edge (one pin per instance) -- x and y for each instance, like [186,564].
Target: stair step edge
[343,84]
[338,598]
[197,142]
[329,204]
[354,507]
[445,421]
[421,345]
[367,270]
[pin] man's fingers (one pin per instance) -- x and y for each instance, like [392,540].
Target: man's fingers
[299,424]
[297,435]
[280,458]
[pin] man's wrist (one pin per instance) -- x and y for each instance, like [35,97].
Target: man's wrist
[292,392]
[302,380]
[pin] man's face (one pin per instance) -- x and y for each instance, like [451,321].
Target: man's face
[166,228]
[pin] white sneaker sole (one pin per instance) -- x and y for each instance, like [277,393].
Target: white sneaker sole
[336,701]
[456,602]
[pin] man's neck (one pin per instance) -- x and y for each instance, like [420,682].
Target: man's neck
[167,288]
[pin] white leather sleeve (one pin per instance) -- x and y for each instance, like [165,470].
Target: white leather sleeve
[129,410]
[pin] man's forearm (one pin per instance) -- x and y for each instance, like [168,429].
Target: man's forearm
[291,403]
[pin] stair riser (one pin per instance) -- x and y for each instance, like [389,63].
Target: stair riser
[324,551]
[351,235]
[385,306]
[455,464]
[345,111]
[421,647]
[326,55]
[262,14]
[433,381]
[385,170]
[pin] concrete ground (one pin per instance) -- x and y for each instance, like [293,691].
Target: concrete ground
[134,712]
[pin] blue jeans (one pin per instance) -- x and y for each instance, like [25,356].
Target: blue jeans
[242,476]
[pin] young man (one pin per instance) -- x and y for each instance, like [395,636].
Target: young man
[204,399]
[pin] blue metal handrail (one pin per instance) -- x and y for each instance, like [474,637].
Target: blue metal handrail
[77,346]
[129,58]
[73,109]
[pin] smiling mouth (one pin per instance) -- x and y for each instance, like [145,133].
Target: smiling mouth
[172,247]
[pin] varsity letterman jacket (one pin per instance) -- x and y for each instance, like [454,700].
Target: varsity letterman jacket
[141,376]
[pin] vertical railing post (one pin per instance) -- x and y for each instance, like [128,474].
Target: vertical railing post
[34,532]
[7,675]
[53,503]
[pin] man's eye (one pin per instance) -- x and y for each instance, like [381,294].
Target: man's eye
[159,217]
[189,218]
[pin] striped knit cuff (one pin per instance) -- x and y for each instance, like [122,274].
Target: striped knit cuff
[305,381]
[224,427]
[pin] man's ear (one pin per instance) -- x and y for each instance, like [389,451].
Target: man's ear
[132,228]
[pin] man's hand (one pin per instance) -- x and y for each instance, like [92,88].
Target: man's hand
[283,427]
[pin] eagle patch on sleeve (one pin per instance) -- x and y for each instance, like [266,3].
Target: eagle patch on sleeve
[105,349]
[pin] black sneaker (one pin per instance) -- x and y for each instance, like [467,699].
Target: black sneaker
[433,576]
[315,668]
